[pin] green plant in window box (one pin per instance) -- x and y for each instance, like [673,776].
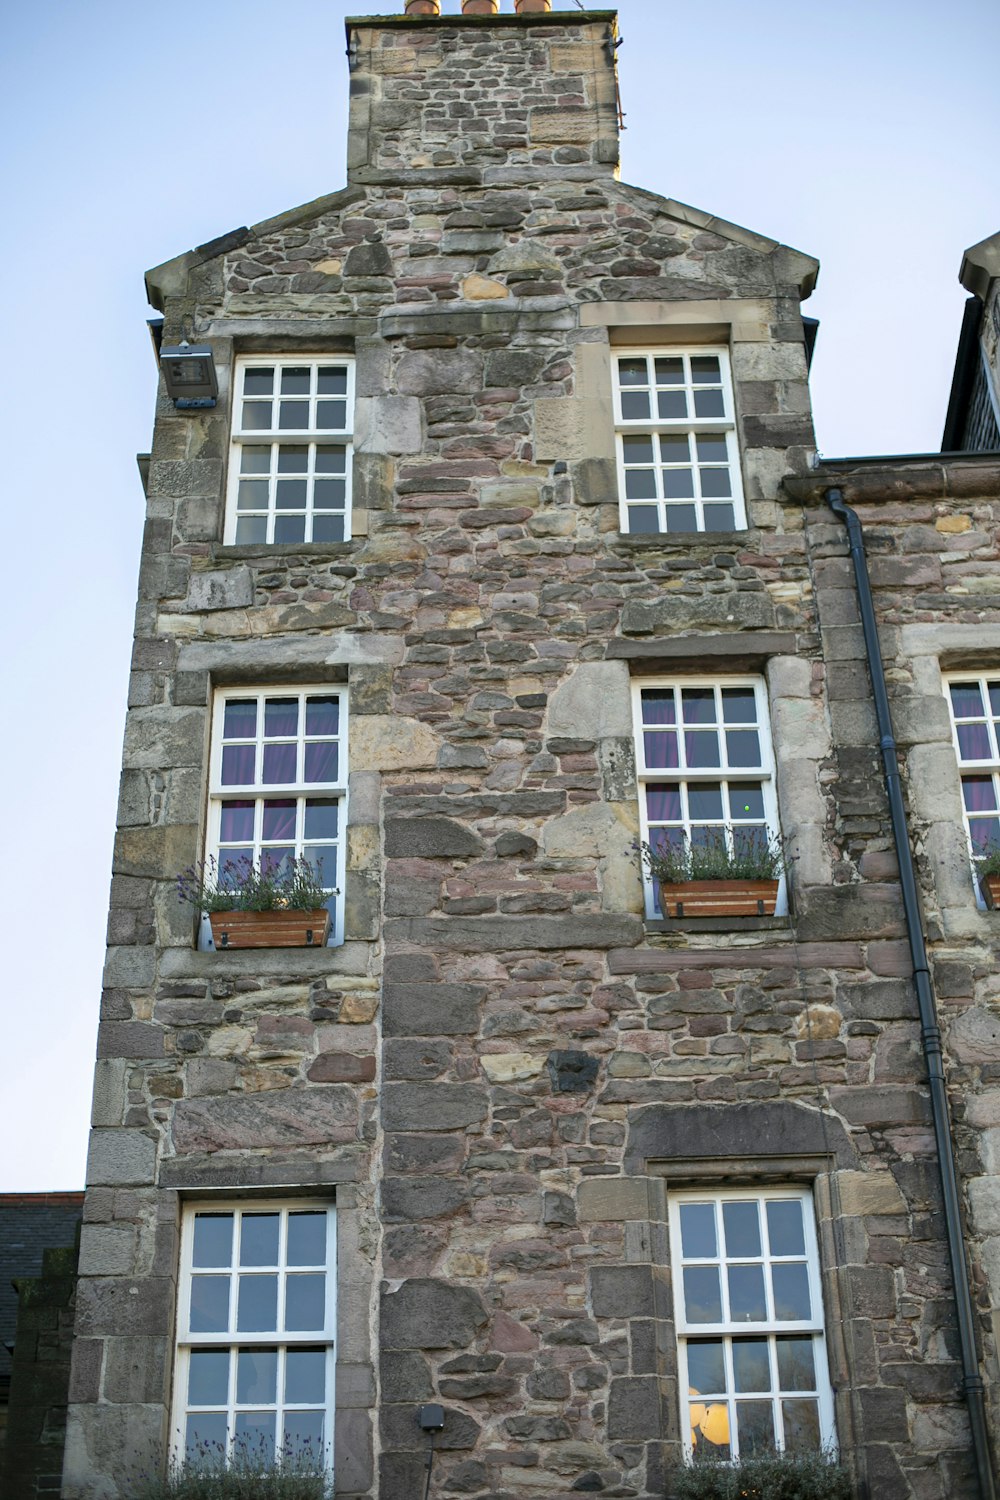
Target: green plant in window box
[248,1476]
[785,1476]
[988,870]
[260,904]
[716,877]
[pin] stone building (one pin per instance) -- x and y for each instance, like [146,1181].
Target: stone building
[502,549]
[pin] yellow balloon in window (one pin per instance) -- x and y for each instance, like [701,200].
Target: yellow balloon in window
[698,1413]
[715,1427]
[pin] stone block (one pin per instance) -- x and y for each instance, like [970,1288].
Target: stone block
[109,1092]
[136,1369]
[404,1377]
[622,1291]
[873,1291]
[869,1193]
[118,1307]
[416,1059]
[353,1449]
[157,738]
[849,911]
[341,1067]
[439,372]
[107,1250]
[388,424]
[572,1072]
[634,1409]
[223,588]
[501,934]
[879,1000]
[569,429]
[433,1106]
[431,1009]
[285,1117]
[129,1039]
[974,1036]
[407,1152]
[884,1105]
[425,1313]
[371,258]
[612,1199]
[430,838]
[407,1199]
[120,1158]
[390,742]
[673,613]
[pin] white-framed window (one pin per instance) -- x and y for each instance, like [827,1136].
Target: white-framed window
[278,782]
[974,705]
[256,1316]
[754,1375]
[290,460]
[678,455]
[704,765]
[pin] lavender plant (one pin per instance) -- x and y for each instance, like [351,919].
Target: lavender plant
[243,885]
[805,1476]
[750,857]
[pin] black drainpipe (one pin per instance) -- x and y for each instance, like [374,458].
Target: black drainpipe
[930,1032]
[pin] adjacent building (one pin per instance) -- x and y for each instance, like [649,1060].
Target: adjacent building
[500,550]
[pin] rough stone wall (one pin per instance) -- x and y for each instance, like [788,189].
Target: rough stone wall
[504,1068]
[32,1456]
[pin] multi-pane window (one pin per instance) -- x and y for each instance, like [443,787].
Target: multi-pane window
[255,1335]
[678,460]
[290,467]
[703,757]
[749,1310]
[975,717]
[279,782]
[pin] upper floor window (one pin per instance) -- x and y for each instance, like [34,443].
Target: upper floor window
[703,759]
[290,464]
[278,782]
[975,715]
[255,1335]
[678,459]
[749,1310]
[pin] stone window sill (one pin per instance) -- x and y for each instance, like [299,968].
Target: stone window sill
[722,539]
[718,924]
[255,553]
[237,963]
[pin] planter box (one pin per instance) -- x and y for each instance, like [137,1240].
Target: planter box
[270,929]
[990,887]
[719,898]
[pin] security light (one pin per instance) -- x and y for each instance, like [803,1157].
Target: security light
[190,375]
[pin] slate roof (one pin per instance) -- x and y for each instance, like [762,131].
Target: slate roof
[30,1223]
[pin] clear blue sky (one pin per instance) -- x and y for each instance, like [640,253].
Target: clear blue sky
[865,132]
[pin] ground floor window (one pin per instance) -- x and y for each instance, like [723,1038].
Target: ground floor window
[749,1311]
[255,1336]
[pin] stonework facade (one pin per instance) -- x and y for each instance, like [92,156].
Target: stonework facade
[506,1072]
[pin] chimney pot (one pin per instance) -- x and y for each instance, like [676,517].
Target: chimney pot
[480,7]
[423,7]
[532,7]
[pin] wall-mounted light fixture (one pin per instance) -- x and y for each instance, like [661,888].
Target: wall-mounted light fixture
[189,372]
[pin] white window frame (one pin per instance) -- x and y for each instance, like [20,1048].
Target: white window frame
[684,776]
[310,437]
[771,1328]
[694,426]
[300,790]
[188,1341]
[982,767]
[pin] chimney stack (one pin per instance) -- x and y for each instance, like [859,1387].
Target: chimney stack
[423,7]
[480,7]
[532,7]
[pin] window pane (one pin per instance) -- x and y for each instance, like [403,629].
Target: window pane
[252,494]
[755,1427]
[322,715]
[660,750]
[213,1240]
[640,484]
[979,793]
[966,700]
[254,459]
[205,1440]
[293,459]
[278,823]
[715,483]
[258,380]
[257,1377]
[796,1366]
[710,1431]
[706,1367]
[712,448]
[258,1304]
[239,720]
[638,449]
[331,416]
[791,1292]
[295,380]
[801,1420]
[993,689]
[785,1232]
[633,372]
[307,1240]
[275,857]
[331,458]
[293,415]
[279,764]
[259,1240]
[698,1240]
[746,1294]
[251,530]
[743,747]
[322,762]
[321,822]
[702,1294]
[973,742]
[332,380]
[328,529]
[328,494]
[254,1437]
[303,1436]
[741,1222]
[705,368]
[705,801]
[682,518]
[209,1304]
[305,1303]
[290,494]
[751,1365]
[635,406]
[305,1376]
[675,448]
[739,705]
[658,706]
[698,706]
[984,833]
[208,1377]
[663,805]
[678,484]
[289,529]
[238,763]
[669,370]
[702,749]
[709,404]
[746,799]
[720,518]
[256,416]
[671,405]
[236,824]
